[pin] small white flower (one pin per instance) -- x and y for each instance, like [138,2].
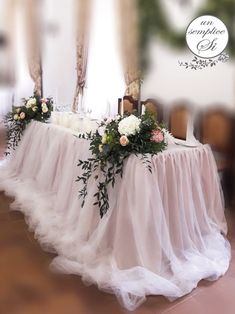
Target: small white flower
[18,110]
[129,125]
[101,130]
[109,120]
[31,102]
[34,108]
[117,117]
[168,137]
[16,116]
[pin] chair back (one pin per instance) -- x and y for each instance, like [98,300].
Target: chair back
[217,130]
[154,107]
[130,105]
[178,121]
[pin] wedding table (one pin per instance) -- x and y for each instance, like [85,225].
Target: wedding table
[162,234]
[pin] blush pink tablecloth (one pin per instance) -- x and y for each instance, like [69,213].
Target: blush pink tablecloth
[163,232]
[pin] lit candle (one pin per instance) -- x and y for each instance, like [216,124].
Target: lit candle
[109,111]
[55,103]
[143,109]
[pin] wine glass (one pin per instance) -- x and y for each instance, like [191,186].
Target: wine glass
[89,111]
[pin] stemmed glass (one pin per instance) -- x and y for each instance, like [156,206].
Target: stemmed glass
[89,111]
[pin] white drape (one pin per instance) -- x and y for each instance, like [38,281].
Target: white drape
[24,84]
[6,56]
[105,79]
[59,51]
[105,82]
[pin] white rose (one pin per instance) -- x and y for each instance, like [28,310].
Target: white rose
[129,125]
[44,109]
[34,108]
[31,102]
[18,110]
[16,116]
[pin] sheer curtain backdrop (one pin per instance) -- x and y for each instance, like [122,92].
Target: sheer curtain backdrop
[82,25]
[128,24]
[59,51]
[6,57]
[32,27]
[105,80]
[24,84]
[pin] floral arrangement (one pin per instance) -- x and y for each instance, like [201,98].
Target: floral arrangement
[115,140]
[33,108]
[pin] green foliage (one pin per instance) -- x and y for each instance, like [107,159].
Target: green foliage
[15,131]
[108,155]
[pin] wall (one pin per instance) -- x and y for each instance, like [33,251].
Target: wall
[59,50]
[169,82]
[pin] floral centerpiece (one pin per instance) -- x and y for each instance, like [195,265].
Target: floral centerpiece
[33,108]
[115,140]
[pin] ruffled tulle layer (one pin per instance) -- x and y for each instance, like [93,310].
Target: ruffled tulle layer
[162,234]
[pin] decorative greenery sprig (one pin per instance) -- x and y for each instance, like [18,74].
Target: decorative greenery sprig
[114,141]
[199,64]
[33,108]
[14,132]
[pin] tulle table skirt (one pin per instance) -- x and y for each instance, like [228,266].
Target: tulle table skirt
[163,233]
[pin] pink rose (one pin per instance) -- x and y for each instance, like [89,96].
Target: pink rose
[157,136]
[22,115]
[124,140]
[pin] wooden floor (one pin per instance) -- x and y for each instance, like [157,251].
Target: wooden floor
[28,287]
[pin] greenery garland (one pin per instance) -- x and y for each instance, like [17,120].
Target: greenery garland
[16,121]
[153,22]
